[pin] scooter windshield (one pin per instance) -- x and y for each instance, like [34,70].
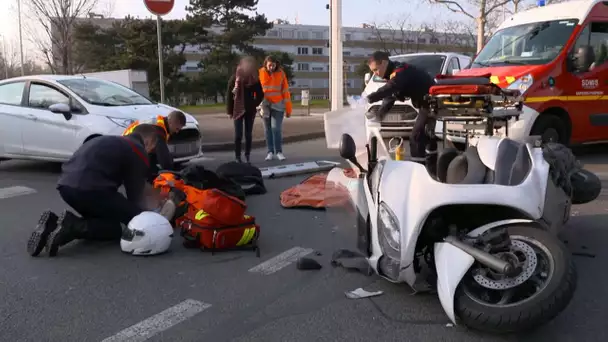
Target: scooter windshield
[346,210]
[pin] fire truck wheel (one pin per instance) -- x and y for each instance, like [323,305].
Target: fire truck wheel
[551,128]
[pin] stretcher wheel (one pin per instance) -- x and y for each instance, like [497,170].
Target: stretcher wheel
[257,251]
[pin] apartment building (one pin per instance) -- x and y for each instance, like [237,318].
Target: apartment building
[309,46]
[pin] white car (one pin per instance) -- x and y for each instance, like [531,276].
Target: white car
[399,121]
[48,117]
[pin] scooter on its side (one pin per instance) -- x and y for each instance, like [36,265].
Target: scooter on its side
[483,229]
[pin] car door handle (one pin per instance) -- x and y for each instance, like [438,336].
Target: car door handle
[32,117]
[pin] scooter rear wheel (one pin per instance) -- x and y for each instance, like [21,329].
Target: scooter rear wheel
[485,301]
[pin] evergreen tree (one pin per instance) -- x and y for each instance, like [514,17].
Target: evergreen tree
[230,33]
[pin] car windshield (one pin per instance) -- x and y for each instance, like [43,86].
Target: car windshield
[104,93]
[429,63]
[528,44]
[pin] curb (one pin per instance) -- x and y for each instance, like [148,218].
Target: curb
[229,146]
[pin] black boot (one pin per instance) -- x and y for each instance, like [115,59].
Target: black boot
[69,228]
[238,159]
[46,225]
[247,159]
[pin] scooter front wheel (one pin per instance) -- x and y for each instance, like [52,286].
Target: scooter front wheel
[540,290]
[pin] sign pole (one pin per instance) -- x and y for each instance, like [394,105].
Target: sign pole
[161,77]
[21,39]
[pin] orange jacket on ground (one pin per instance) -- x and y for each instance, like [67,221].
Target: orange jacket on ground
[276,88]
[158,121]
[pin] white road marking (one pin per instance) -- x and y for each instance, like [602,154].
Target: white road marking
[601,174]
[15,191]
[281,261]
[160,322]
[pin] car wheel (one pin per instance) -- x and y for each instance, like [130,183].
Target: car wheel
[551,129]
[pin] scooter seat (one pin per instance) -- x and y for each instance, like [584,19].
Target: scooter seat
[513,163]
[466,168]
[464,81]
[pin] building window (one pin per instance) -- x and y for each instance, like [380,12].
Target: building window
[346,53]
[434,40]
[347,36]
[287,34]
[272,33]
[317,35]
[317,51]
[318,68]
[303,35]
[421,41]
[302,51]
[303,67]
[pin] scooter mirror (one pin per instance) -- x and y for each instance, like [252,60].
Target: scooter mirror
[348,148]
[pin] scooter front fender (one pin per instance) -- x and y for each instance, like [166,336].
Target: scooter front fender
[451,264]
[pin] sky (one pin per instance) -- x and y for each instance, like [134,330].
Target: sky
[313,12]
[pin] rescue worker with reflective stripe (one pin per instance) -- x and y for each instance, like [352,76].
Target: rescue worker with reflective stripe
[166,126]
[89,183]
[406,81]
[276,105]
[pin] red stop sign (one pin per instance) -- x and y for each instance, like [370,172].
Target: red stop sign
[159,7]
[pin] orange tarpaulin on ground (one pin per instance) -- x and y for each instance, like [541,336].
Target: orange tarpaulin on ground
[314,193]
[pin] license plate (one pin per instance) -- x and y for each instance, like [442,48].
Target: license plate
[393,117]
[183,148]
[455,127]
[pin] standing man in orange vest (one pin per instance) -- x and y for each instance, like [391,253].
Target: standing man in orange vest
[276,105]
[167,126]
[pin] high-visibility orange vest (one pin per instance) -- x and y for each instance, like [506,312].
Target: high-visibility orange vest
[158,121]
[276,88]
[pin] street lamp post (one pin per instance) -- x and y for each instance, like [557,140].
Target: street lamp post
[20,38]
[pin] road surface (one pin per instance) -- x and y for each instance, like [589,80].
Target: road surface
[92,292]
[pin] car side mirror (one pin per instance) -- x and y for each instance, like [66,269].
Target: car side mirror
[570,62]
[368,77]
[61,108]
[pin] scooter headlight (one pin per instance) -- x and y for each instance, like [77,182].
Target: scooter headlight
[390,235]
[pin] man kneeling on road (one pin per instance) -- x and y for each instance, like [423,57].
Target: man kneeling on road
[405,81]
[89,183]
[166,126]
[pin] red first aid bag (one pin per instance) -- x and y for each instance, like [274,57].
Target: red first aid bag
[202,230]
[225,209]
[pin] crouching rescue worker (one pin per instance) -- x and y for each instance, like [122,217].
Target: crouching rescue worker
[166,127]
[89,183]
[406,81]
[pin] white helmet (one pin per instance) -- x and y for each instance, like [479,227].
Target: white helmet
[148,233]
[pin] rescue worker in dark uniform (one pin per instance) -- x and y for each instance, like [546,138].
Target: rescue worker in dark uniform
[89,183]
[166,126]
[403,81]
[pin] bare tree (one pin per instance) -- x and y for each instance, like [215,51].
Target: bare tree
[400,36]
[53,35]
[481,12]
[457,33]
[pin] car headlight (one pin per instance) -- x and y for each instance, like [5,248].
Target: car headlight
[375,179]
[390,239]
[522,84]
[121,121]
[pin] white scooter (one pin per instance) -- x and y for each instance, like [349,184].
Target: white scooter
[485,228]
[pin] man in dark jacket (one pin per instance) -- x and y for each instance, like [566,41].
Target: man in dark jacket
[405,81]
[89,183]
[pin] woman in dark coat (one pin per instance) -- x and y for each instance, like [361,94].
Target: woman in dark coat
[243,96]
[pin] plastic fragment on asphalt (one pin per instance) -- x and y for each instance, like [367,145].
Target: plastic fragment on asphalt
[305,264]
[449,325]
[361,293]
